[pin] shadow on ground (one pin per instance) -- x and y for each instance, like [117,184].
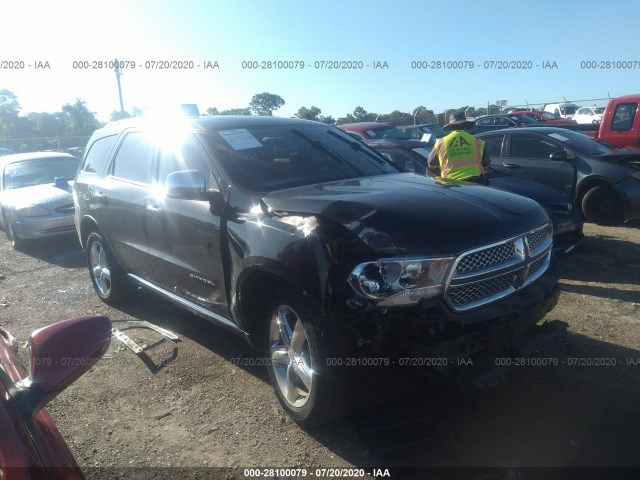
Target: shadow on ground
[570,402]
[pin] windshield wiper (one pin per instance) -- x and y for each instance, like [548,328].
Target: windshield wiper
[320,146]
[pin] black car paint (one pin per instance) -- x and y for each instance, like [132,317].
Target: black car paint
[227,254]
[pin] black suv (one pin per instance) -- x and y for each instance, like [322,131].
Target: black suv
[311,246]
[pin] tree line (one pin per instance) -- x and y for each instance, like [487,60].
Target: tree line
[70,127]
[74,123]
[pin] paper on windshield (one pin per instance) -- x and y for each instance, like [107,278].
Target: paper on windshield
[240,139]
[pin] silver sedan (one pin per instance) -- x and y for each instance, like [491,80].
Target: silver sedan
[35,196]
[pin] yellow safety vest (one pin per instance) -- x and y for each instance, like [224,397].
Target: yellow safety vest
[460,155]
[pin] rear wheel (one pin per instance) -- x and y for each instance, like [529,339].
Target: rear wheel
[109,282]
[298,369]
[602,205]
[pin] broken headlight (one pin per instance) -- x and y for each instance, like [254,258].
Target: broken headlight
[398,282]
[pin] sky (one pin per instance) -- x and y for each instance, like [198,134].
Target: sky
[570,37]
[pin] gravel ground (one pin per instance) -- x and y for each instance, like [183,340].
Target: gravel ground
[194,404]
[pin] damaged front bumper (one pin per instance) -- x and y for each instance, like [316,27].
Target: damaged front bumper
[490,328]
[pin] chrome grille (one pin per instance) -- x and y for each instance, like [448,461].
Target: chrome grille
[473,292]
[486,258]
[535,239]
[485,274]
[535,266]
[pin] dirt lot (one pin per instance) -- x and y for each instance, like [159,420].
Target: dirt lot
[206,408]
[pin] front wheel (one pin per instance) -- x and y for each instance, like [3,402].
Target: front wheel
[298,369]
[108,280]
[602,205]
[17,242]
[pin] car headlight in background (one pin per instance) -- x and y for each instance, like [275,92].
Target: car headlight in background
[32,211]
[398,282]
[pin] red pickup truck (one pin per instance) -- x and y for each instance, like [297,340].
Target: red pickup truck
[620,125]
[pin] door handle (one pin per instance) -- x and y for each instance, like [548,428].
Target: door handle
[513,166]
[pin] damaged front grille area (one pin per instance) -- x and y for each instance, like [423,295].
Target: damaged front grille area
[486,274]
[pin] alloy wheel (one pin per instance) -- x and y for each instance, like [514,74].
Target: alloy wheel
[291,358]
[100,270]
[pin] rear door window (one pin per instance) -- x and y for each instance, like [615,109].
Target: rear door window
[98,155]
[134,159]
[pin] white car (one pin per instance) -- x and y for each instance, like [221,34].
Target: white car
[588,115]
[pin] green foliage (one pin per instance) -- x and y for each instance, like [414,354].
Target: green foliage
[9,111]
[265,103]
[118,115]
[71,127]
[78,120]
[312,113]
[359,115]
[397,118]
[236,111]
[328,119]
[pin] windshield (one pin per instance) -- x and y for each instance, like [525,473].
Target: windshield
[27,173]
[275,157]
[599,110]
[387,132]
[550,116]
[580,143]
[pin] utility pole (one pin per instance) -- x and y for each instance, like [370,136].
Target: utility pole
[118,75]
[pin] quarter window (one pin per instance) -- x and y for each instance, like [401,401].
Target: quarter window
[134,158]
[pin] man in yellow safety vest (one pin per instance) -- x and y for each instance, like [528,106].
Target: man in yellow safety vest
[459,155]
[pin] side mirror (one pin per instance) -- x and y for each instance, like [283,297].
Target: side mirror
[59,355]
[559,155]
[186,185]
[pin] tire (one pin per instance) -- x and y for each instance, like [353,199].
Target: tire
[603,206]
[10,230]
[107,279]
[301,378]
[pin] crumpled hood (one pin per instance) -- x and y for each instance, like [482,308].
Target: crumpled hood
[46,195]
[411,214]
